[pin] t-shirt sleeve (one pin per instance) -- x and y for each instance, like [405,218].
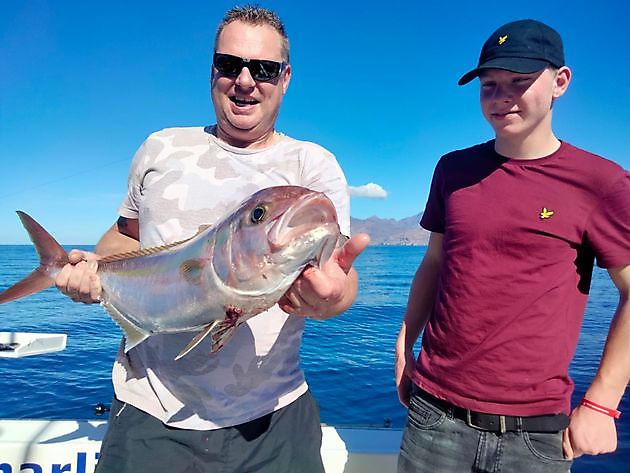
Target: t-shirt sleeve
[608,226]
[323,173]
[129,208]
[433,218]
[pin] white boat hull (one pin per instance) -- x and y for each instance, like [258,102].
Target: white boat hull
[70,446]
[20,344]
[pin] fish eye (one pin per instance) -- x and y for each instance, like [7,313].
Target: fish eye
[259,213]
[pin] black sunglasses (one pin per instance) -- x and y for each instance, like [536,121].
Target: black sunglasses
[260,69]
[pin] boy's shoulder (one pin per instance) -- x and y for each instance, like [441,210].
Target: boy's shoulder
[485,148]
[570,156]
[590,164]
[587,157]
[569,163]
[468,160]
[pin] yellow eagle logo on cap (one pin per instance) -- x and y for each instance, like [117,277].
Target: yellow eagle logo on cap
[502,39]
[545,213]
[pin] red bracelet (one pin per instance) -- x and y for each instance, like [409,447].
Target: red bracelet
[601,409]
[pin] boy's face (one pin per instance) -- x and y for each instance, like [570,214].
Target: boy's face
[519,105]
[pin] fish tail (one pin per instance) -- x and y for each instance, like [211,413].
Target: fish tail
[51,256]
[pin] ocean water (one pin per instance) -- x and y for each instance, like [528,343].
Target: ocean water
[348,360]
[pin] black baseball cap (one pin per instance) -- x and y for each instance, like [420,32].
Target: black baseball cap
[522,46]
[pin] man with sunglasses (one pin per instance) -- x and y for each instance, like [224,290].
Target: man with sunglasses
[246,408]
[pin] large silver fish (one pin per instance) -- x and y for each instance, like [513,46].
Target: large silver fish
[211,282]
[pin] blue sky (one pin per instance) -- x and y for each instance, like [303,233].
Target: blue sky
[83,83]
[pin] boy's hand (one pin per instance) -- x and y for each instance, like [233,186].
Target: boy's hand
[589,433]
[405,366]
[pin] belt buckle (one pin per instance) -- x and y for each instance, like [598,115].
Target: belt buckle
[469,422]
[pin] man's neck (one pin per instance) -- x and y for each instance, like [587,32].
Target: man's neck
[528,147]
[264,141]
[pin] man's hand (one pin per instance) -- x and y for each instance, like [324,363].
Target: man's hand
[322,293]
[589,433]
[78,279]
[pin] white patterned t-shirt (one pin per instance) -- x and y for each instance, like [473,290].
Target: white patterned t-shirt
[180,179]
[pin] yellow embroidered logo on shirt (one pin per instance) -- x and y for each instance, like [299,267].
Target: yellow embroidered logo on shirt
[545,213]
[502,39]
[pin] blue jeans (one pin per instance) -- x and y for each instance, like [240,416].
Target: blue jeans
[434,442]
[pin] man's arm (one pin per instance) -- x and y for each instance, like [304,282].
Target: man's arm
[123,236]
[78,279]
[591,432]
[329,291]
[420,302]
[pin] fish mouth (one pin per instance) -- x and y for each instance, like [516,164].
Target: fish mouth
[312,217]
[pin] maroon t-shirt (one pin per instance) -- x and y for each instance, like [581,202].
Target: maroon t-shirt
[520,239]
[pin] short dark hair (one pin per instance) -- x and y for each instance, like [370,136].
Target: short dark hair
[255,15]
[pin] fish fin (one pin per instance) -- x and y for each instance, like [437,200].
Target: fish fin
[191,270]
[133,334]
[137,253]
[221,337]
[51,255]
[233,318]
[197,339]
[149,251]
[37,281]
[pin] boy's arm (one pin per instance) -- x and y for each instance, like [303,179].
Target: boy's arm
[591,432]
[419,305]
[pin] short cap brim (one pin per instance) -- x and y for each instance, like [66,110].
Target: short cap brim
[519,65]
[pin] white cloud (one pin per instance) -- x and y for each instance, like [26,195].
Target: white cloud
[370,190]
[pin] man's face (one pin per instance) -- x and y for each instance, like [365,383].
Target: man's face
[518,105]
[246,109]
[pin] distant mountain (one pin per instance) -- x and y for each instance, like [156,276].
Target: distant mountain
[387,231]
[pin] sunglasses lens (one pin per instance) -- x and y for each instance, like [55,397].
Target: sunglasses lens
[228,65]
[265,70]
[261,70]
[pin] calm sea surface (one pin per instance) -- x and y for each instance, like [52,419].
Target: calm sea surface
[348,360]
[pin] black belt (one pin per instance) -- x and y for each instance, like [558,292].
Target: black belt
[498,423]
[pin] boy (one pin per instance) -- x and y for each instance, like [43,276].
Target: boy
[516,225]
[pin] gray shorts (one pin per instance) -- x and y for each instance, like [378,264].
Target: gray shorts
[286,441]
